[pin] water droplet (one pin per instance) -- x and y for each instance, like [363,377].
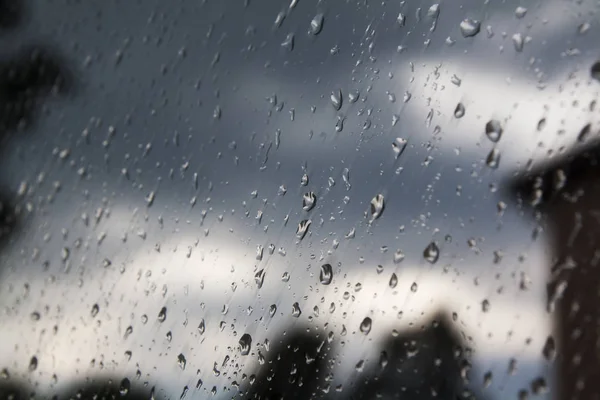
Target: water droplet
[302,228]
[518,42]
[398,146]
[585,132]
[296,310]
[336,99]
[304,180]
[259,278]
[377,207]
[288,43]
[259,252]
[346,178]
[124,387]
[162,314]
[549,350]
[95,310]
[393,280]
[181,361]
[202,327]
[487,379]
[316,25]
[459,111]
[279,19]
[398,256]
[183,393]
[353,96]
[541,124]
[326,274]
[431,253]
[493,130]
[493,158]
[401,19]
[308,201]
[469,27]
[33,364]
[414,287]
[245,344]
[485,305]
[272,310]
[365,325]
[520,12]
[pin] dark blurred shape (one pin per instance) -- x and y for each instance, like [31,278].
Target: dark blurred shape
[294,369]
[26,79]
[12,14]
[100,388]
[7,220]
[430,362]
[565,197]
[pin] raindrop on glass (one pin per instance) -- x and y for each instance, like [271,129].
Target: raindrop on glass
[162,314]
[124,387]
[316,25]
[302,228]
[245,344]
[414,287]
[365,325]
[469,27]
[459,111]
[518,42]
[296,310]
[493,130]
[201,326]
[398,256]
[308,201]
[288,43]
[95,310]
[398,146]
[326,274]
[520,12]
[431,253]
[377,207]
[181,361]
[336,99]
[393,281]
[493,159]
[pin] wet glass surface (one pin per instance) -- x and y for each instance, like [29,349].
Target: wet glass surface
[317,198]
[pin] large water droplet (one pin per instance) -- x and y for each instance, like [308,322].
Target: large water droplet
[201,326]
[308,201]
[336,99]
[316,25]
[33,364]
[398,146]
[398,256]
[469,27]
[303,228]
[431,253]
[377,207]
[296,312]
[520,12]
[162,314]
[288,43]
[326,274]
[595,71]
[181,361]
[401,19]
[549,350]
[585,133]
[493,130]
[518,42]
[459,111]
[365,325]
[245,344]
[124,387]
[259,278]
[393,281]
[493,158]
[95,310]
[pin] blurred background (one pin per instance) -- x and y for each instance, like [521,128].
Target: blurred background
[299,199]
